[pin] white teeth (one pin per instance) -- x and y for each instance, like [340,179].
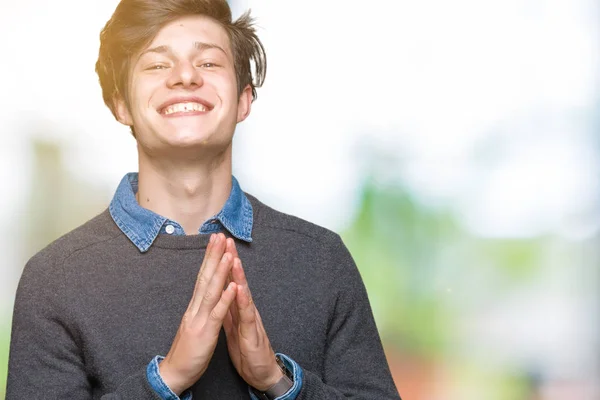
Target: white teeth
[184,107]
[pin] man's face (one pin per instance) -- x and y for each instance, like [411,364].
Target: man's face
[183,90]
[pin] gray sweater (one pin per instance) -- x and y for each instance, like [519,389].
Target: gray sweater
[91,311]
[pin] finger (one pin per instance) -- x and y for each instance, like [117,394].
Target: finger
[207,270]
[215,286]
[237,276]
[231,247]
[209,249]
[219,311]
[228,325]
[237,272]
[246,315]
[212,259]
[235,319]
[227,321]
[231,335]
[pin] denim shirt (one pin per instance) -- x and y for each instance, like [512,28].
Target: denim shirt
[142,226]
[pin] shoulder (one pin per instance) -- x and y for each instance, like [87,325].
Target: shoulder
[322,248]
[270,218]
[266,217]
[94,232]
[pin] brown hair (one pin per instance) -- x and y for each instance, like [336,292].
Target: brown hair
[135,23]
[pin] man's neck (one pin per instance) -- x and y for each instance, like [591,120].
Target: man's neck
[185,192]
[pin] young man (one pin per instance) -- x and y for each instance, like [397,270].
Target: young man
[131,304]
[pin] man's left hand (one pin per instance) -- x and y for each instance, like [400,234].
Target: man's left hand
[247,341]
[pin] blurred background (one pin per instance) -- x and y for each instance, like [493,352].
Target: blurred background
[454,146]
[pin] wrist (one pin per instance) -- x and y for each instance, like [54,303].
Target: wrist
[273,378]
[170,379]
[283,382]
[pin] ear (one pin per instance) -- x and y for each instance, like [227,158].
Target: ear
[122,111]
[244,104]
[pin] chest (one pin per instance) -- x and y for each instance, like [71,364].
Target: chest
[127,310]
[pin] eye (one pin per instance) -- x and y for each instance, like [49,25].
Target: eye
[156,67]
[208,65]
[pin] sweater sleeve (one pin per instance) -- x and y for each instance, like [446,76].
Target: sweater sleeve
[45,359]
[355,363]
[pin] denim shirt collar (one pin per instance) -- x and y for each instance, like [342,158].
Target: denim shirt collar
[142,226]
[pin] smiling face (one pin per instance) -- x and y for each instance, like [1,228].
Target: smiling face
[183,91]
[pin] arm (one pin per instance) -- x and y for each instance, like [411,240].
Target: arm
[355,364]
[45,351]
[45,356]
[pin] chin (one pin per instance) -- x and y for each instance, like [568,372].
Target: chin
[188,138]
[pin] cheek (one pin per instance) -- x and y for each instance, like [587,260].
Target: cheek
[141,95]
[227,88]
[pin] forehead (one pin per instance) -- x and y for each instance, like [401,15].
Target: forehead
[185,31]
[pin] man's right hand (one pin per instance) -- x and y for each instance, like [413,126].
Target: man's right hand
[197,335]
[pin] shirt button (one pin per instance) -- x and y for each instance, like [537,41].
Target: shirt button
[170,229]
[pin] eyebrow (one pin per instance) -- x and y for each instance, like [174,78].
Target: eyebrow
[205,46]
[167,49]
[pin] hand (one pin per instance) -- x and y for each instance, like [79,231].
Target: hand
[197,335]
[247,341]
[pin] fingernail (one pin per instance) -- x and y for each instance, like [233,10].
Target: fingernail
[212,238]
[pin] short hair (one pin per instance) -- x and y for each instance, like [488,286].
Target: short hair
[135,23]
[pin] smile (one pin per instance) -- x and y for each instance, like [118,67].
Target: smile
[184,108]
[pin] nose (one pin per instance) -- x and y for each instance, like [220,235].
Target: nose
[184,74]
